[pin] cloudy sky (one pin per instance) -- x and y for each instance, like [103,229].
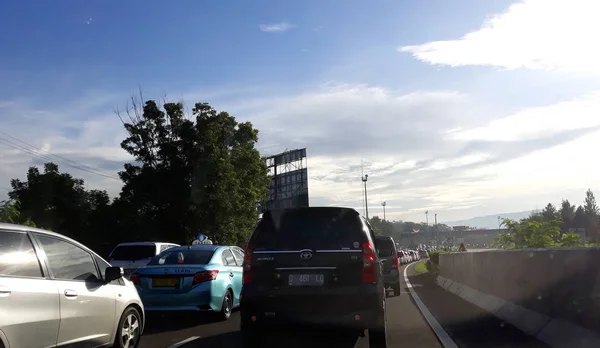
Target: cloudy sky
[463,108]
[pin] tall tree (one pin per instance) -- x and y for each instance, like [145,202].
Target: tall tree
[549,212]
[590,209]
[566,214]
[200,175]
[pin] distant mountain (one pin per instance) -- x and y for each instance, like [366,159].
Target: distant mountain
[489,221]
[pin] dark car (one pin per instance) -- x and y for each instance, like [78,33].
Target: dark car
[389,260]
[315,266]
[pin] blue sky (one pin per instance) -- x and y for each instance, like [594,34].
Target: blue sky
[416,89]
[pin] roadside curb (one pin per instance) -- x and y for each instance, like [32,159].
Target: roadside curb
[442,335]
[556,333]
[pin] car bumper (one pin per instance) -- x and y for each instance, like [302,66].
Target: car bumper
[198,300]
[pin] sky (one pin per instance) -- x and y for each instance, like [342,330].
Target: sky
[461,108]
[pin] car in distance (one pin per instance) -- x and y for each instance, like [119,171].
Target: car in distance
[55,291]
[201,278]
[386,248]
[315,265]
[133,255]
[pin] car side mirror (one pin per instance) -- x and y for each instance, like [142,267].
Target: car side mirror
[113,273]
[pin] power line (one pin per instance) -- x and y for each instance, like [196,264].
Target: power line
[39,153]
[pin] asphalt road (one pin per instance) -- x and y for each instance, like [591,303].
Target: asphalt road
[406,328]
[463,324]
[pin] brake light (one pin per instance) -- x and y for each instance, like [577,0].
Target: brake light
[135,279]
[369,271]
[395,261]
[205,276]
[247,266]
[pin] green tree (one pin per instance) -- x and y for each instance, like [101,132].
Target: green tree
[570,240]
[549,213]
[10,212]
[191,175]
[590,208]
[528,234]
[566,214]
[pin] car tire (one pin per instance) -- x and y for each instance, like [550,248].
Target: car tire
[251,335]
[227,306]
[396,288]
[129,331]
[378,337]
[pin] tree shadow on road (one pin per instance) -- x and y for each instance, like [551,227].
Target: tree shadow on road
[289,338]
[164,322]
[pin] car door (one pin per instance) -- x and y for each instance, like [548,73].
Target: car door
[87,305]
[237,275]
[29,303]
[231,267]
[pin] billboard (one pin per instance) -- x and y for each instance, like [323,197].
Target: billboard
[288,187]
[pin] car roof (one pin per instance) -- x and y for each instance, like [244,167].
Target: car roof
[323,209]
[201,247]
[145,243]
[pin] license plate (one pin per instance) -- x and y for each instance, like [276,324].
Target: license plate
[164,282]
[312,279]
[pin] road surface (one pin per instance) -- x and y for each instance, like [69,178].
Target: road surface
[464,326]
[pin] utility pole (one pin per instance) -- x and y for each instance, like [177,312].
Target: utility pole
[435,228]
[427,219]
[364,179]
[383,204]
[499,224]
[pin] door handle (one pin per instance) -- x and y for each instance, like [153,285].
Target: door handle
[70,293]
[4,291]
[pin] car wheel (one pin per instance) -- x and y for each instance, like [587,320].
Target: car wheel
[225,313]
[129,329]
[396,288]
[251,335]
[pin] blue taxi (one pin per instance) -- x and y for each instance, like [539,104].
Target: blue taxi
[192,278]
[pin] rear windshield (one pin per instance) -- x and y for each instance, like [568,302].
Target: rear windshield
[385,247]
[133,252]
[182,257]
[297,229]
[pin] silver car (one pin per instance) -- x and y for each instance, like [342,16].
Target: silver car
[56,292]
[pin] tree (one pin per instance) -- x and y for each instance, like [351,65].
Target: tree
[566,214]
[549,213]
[529,234]
[590,208]
[191,176]
[59,202]
[10,212]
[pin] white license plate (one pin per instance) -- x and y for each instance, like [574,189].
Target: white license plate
[311,279]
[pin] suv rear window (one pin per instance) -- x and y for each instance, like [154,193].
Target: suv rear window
[385,246]
[133,252]
[311,228]
[182,257]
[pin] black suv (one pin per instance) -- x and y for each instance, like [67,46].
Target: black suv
[386,248]
[313,266]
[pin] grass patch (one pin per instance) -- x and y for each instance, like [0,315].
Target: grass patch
[420,267]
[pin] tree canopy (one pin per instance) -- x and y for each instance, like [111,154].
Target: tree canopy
[190,174]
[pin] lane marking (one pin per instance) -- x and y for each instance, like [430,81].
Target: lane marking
[442,335]
[181,343]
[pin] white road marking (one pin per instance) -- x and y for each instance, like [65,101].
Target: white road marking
[442,335]
[181,343]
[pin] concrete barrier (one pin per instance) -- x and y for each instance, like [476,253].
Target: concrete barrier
[553,294]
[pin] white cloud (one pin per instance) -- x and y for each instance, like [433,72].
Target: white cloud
[556,35]
[423,150]
[275,27]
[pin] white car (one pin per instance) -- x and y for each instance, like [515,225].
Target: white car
[56,292]
[133,255]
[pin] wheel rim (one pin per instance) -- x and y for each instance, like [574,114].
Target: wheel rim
[227,308]
[130,331]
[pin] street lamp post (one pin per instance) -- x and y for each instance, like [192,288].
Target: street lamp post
[364,179]
[383,204]
[499,224]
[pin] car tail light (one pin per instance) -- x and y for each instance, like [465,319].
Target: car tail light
[395,261]
[135,278]
[247,266]
[205,276]
[369,271]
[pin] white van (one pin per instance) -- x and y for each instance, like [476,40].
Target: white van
[133,255]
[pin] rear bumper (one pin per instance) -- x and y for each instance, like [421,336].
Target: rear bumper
[198,300]
[352,308]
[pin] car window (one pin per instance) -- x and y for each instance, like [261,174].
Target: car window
[312,228]
[165,247]
[67,261]
[229,259]
[239,257]
[133,252]
[384,246]
[182,257]
[17,256]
